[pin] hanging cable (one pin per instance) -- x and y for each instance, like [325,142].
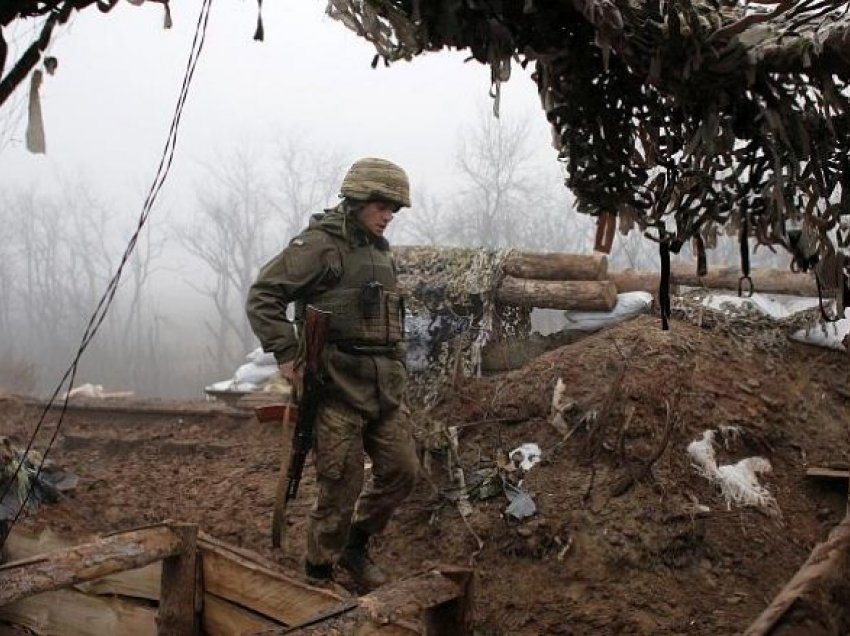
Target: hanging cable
[106,299]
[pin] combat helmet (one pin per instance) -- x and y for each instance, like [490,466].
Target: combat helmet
[372,178]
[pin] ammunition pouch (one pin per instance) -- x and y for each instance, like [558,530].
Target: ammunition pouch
[380,322]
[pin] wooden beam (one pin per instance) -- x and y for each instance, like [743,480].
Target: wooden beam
[818,472]
[89,561]
[129,407]
[556,266]
[257,584]
[396,608]
[223,618]
[550,294]
[179,613]
[830,559]
[73,613]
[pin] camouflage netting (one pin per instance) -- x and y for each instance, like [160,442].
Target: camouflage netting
[680,117]
[451,314]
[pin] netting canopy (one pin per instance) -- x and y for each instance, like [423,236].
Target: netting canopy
[679,117]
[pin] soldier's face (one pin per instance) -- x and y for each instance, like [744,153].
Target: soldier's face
[376,216]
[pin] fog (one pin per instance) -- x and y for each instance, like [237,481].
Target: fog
[267,132]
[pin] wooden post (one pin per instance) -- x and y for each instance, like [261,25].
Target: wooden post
[116,553]
[551,294]
[455,616]
[555,266]
[179,611]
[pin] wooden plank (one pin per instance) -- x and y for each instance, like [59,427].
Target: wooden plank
[72,613]
[387,608]
[827,473]
[553,294]
[178,615]
[69,566]
[555,266]
[127,407]
[829,558]
[138,583]
[259,585]
[223,618]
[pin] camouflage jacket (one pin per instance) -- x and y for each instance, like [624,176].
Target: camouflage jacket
[325,265]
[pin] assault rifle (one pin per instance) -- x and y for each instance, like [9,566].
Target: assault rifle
[316,324]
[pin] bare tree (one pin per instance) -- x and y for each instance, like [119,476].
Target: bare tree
[426,223]
[307,180]
[230,233]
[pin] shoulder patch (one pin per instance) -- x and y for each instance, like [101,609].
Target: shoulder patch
[299,242]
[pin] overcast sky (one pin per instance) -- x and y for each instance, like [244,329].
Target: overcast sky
[108,107]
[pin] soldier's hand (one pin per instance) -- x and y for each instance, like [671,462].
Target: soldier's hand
[293,377]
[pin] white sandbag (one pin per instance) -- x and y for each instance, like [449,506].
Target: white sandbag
[629,305]
[829,335]
[261,358]
[250,372]
[772,305]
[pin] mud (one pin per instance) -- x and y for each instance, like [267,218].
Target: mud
[620,544]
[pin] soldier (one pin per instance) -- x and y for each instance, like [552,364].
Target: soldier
[342,264]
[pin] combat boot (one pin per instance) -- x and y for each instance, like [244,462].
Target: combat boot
[355,558]
[318,575]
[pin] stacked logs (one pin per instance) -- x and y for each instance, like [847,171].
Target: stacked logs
[557,281]
[583,282]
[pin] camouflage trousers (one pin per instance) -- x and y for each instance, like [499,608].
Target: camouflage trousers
[342,435]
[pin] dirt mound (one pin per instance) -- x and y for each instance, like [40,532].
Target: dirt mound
[628,537]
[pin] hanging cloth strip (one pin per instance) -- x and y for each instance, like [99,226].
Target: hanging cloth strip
[745,259]
[664,287]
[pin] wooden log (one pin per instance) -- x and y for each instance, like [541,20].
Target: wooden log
[829,559]
[255,583]
[72,613]
[556,266]
[89,561]
[179,605]
[139,583]
[632,280]
[548,294]
[767,281]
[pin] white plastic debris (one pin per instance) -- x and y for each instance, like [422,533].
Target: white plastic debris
[521,504]
[525,456]
[96,391]
[738,482]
